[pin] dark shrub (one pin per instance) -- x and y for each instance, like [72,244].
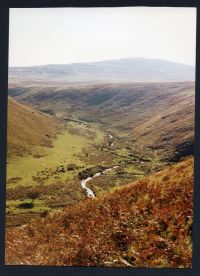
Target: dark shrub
[33,194]
[26,205]
[72,167]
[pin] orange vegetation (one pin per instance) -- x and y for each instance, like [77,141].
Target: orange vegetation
[144,224]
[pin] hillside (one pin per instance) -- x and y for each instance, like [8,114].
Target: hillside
[155,115]
[119,70]
[145,224]
[28,128]
[123,121]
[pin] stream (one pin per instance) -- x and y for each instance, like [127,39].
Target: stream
[89,192]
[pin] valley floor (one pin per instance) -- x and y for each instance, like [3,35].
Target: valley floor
[53,174]
[140,216]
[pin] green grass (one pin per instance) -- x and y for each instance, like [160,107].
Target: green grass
[90,131]
[85,145]
[41,171]
[12,206]
[133,170]
[66,149]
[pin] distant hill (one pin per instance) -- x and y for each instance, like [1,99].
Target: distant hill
[28,128]
[145,224]
[119,70]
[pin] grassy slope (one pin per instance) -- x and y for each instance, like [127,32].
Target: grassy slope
[145,224]
[28,128]
[46,170]
[64,151]
[170,127]
[165,123]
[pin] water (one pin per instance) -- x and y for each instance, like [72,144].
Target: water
[89,192]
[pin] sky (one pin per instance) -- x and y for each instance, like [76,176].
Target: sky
[40,36]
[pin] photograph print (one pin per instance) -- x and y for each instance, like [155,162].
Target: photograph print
[100,137]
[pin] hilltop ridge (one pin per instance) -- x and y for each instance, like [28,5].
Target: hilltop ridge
[118,70]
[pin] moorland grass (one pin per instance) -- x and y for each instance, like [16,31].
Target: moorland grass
[64,151]
[144,224]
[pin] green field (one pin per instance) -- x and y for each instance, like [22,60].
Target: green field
[67,149]
[84,146]
[47,170]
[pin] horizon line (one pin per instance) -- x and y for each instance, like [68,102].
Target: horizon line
[103,60]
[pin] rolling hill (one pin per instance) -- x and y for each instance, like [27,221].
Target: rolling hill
[119,70]
[127,137]
[145,224]
[28,128]
[155,115]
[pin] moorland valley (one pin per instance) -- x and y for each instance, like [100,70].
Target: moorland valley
[100,164]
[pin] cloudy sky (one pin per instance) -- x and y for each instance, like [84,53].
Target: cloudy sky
[68,35]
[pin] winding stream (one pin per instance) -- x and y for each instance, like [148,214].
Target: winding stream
[89,192]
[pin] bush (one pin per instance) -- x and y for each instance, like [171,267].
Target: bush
[72,167]
[33,194]
[26,205]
